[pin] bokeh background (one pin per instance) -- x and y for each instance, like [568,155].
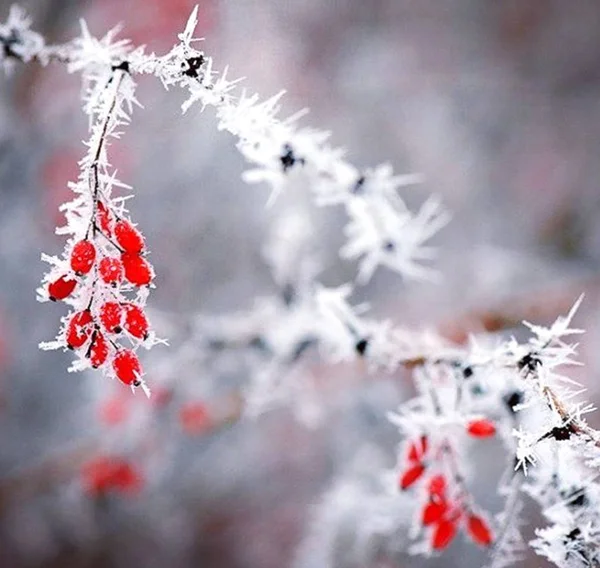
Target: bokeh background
[496,103]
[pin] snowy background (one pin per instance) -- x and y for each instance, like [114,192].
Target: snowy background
[496,104]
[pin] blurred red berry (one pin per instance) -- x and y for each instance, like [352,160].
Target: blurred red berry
[83,257]
[61,288]
[113,411]
[127,367]
[437,485]
[479,531]
[417,448]
[434,511]
[111,270]
[128,237]
[411,475]
[138,270]
[194,418]
[443,534]
[482,428]
[103,474]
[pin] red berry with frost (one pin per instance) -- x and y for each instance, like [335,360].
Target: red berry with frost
[104,219]
[433,512]
[111,317]
[79,329]
[127,367]
[138,270]
[136,322]
[83,257]
[479,531]
[61,288]
[411,475]
[417,448]
[437,486]
[128,237]
[443,534]
[99,349]
[111,270]
[482,428]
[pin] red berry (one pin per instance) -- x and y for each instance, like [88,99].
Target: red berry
[79,329]
[482,428]
[127,367]
[111,317]
[137,269]
[411,475]
[98,350]
[479,531]
[83,256]
[443,534]
[136,321]
[113,411]
[433,512]
[111,270]
[437,486]
[61,288]
[128,237]
[194,418]
[104,219]
[105,473]
[417,448]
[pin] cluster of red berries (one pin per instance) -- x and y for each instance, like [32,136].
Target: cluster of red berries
[441,514]
[113,265]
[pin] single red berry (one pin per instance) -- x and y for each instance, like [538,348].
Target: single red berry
[194,418]
[482,428]
[437,485]
[104,219]
[433,512]
[79,329]
[111,317]
[125,477]
[479,531]
[418,448]
[96,475]
[61,288]
[105,473]
[128,237]
[137,269]
[98,350]
[127,367]
[411,475]
[111,270]
[83,256]
[136,321]
[443,534]
[113,411]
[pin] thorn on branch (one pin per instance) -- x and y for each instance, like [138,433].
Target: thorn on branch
[359,186]
[530,362]
[194,64]
[123,66]
[513,399]
[9,42]
[288,159]
[361,346]
[288,293]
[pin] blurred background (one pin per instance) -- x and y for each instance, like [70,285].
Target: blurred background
[497,104]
